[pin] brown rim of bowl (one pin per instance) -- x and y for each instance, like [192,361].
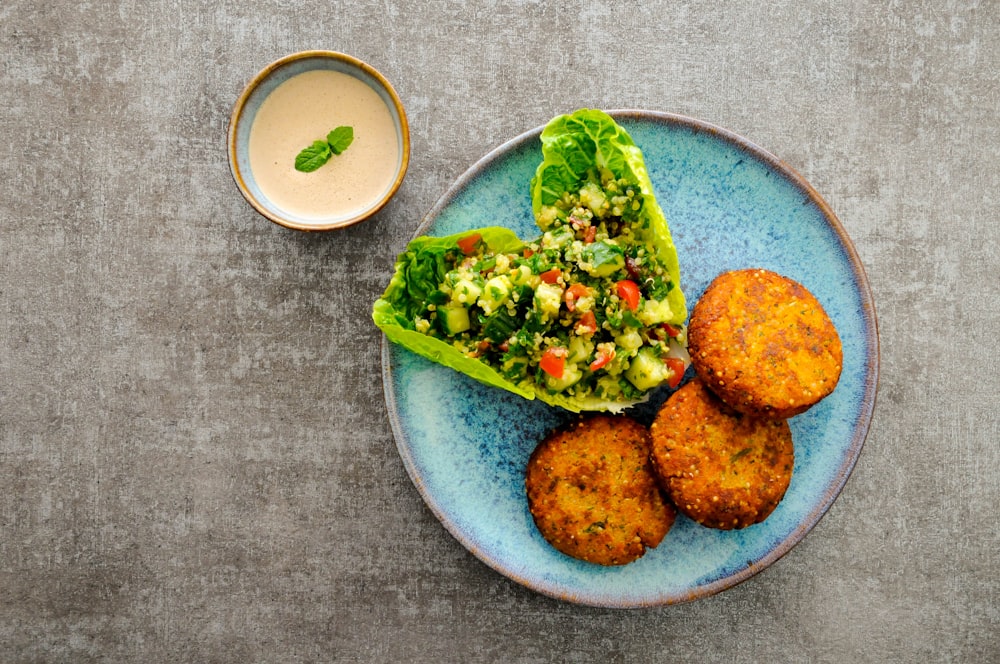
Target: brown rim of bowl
[238,112]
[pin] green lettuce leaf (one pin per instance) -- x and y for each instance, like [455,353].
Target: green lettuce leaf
[419,270]
[575,145]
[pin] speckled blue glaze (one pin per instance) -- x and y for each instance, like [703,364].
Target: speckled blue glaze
[730,205]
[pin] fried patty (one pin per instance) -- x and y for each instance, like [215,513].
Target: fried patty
[764,344]
[592,492]
[721,468]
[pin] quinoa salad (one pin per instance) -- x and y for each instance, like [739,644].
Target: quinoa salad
[587,316]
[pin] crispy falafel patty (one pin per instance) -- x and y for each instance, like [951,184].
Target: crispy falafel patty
[721,468]
[764,344]
[592,492]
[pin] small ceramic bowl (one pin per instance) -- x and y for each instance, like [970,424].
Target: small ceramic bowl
[370,199]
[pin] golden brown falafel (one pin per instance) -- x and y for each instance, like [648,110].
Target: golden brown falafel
[721,468]
[592,492]
[763,343]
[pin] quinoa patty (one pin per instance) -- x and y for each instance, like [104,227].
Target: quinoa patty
[764,344]
[592,492]
[721,468]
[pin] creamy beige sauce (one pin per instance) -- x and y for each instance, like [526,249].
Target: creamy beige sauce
[306,108]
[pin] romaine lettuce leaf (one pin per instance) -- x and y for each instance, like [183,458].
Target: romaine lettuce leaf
[576,144]
[419,270]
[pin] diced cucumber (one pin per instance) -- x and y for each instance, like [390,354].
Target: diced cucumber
[655,312]
[454,319]
[629,340]
[647,370]
[580,348]
[548,299]
[466,292]
[521,276]
[571,375]
[495,293]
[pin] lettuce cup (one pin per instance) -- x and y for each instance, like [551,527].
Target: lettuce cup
[587,316]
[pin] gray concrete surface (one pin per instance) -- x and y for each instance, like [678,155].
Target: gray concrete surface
[195,459]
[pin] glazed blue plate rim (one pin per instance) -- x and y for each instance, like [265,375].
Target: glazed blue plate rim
[456,523]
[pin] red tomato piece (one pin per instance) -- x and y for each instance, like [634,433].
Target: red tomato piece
[587,323]
[553,362]
[677,367]
[551,276]
[468,243]
[670,330]
[601,359]
[628,291]
[590,234]
[574,293]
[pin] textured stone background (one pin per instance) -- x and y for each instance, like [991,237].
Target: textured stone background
[195,459]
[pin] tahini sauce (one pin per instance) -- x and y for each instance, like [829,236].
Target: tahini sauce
[306,108]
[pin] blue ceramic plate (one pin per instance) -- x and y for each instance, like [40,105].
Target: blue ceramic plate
[730,205]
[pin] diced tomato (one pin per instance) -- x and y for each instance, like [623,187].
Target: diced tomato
[528,252]
[677,367]
[587,323]
[574,293]
[670,330]
[601,359]
[590,234]
[628,291]
[551,276]
[553,362]
[468,243]
[481,348]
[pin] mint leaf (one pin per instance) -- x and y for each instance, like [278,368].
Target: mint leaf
[340,138]
[313,157]
[320,152]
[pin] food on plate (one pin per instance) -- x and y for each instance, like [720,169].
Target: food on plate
[592,493]
[589,316]
[721,468]
[593,179]
[763,343]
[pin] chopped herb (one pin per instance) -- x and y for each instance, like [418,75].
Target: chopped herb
[739,455]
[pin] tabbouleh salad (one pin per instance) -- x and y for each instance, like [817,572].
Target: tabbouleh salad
[588,316]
